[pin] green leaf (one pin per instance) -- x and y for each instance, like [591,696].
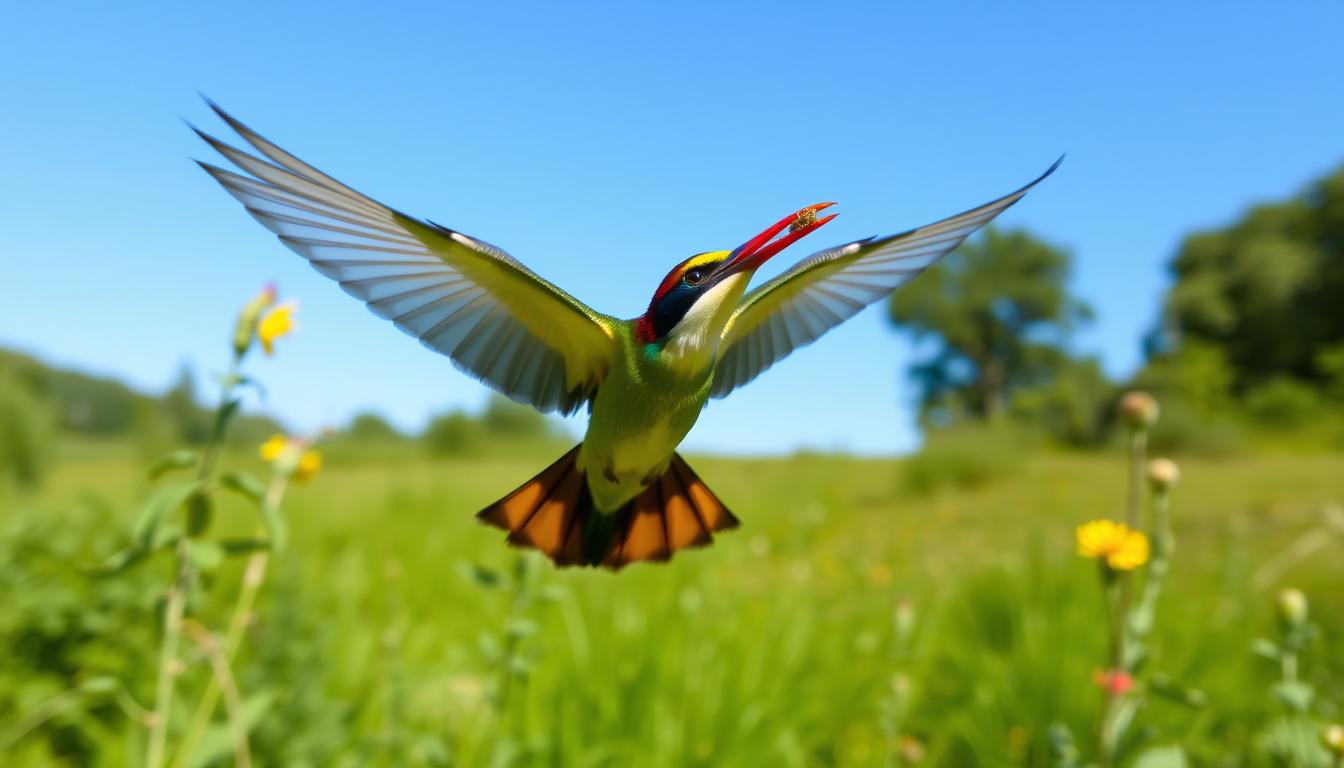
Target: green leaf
[205,555]
[243,546]
[198,513]
[1294,740]
[162,503]
[100,685]
[243,483]
[489,646]
[224,415]
[1121,718]
[1296,696]
[119,561]
[1266,648]
[248,381]
[1063,747]
[1163,686]
[520,628]
[172,461]
[218,739]
[165,537]
[481,576]
[275,526]
[1162,757]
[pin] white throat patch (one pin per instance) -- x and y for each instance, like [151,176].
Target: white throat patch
[694,342]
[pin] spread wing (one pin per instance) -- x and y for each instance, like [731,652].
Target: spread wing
[831,286]
[495,318]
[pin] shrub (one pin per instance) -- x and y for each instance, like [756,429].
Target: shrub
[26,431]
[1283,403]
[966,456]
[1184,429]
[453,434]
[370,426]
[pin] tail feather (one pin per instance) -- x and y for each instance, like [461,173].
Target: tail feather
[553,512]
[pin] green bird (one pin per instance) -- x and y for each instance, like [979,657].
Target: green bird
[623,494]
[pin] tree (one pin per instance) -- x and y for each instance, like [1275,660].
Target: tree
[371,427]
[189,419]
[999,313]
[505,418]
[1266,291]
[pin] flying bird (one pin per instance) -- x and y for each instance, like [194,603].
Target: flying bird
[622,495]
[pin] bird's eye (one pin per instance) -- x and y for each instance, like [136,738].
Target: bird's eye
[694,277]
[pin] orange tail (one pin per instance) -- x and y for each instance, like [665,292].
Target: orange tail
[553,512]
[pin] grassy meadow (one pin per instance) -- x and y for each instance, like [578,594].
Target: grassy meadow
[854,619]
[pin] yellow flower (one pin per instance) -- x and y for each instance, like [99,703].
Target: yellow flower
[309,463]
[291,457]
[277,322]
[1124,549]
[272,448]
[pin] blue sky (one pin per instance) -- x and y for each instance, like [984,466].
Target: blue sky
[602,143]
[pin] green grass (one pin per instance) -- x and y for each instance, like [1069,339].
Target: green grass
[782,644]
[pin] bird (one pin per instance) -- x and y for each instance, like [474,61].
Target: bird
[622,495]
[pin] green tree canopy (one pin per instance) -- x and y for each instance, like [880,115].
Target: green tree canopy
[1268,291]
[999,312]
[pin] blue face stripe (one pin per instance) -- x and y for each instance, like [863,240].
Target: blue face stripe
[672,307]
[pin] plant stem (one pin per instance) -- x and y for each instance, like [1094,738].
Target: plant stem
[1116,593]
[177,593]
[1138,447]
[1164,543]
[223,679]
[172,631]
[44,712]
[254,573]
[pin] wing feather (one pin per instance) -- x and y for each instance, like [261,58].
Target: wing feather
[831,286]
[462,297]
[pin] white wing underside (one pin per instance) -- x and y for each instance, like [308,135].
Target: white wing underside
[495,318]
[831,286]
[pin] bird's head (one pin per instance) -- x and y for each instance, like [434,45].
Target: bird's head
[692,305]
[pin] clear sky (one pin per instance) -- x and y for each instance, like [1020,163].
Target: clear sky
[602,143]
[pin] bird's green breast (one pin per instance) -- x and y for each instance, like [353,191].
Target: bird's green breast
[640,415]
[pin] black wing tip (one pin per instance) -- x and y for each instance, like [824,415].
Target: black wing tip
[1053,166]
[214,107]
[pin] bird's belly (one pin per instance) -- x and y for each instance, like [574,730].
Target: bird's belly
[629,445]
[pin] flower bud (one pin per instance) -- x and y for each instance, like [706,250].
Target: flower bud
[1332,738]
[1138,409]
[1292,608]
[1163,474]
[248,318]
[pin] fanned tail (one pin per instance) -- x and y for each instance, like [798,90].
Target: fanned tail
[553,512]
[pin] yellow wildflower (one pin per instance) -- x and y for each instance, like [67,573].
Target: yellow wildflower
[272,448]
[309,463]
[1124,549]
[291,456]
[277,322]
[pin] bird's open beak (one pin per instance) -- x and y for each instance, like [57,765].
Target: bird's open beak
[756,251]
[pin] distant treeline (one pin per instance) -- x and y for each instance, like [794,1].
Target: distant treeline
[1250,337]
[40,402]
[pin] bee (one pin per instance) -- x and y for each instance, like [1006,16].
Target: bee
[805,218]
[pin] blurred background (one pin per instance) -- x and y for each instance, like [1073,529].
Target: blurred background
[905,588]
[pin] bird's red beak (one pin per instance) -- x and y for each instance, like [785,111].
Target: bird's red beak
[756,251]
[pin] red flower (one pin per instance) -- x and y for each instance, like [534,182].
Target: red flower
[1116,682]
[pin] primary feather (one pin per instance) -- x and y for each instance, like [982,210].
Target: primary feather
[464,298]
[831,286]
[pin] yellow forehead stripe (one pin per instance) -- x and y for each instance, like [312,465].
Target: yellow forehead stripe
[699,260]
